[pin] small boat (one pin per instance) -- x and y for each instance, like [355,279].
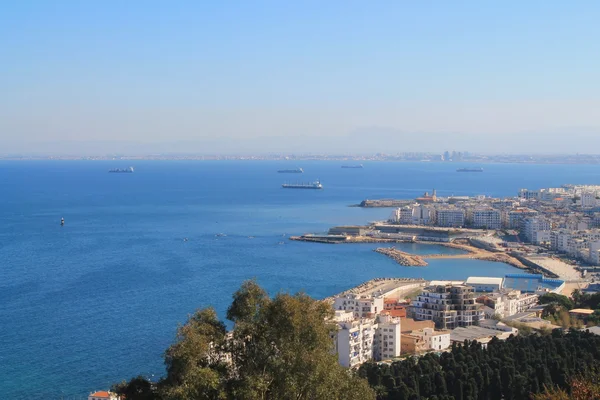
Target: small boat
[291,171]
[220,235]
[122,171]
[62,222]
[469,170]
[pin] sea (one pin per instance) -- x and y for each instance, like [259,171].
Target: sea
[98,300]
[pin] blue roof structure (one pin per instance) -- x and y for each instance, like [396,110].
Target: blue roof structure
[531,282]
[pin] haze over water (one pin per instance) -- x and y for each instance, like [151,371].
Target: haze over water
[98,300]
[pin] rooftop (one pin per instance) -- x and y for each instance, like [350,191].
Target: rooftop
[473,280]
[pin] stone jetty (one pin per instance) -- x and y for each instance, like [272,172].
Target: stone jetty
[402,258]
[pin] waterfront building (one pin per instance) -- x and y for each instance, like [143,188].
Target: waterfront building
[450,217]
[348,230]
[402,216]
[413,215]
[485,284]
[448,306]
[484,218]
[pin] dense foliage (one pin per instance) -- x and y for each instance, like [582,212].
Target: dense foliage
[511,369]
[280,348]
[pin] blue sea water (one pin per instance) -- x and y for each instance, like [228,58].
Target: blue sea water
[98,300]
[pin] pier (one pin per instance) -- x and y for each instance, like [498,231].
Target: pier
[402,258]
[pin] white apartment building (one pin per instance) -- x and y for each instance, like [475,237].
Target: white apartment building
[361,307]
[532,225]
[423,215]
[588,199]
[450,217]
[485,218]
[510,303]
[354,341]
[413,215]
[360,340]
[559,240]
[435,340]
[402,215]
[387,338]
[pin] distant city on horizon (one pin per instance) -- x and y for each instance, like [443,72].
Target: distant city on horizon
[445,157]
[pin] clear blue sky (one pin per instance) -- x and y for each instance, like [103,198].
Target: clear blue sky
[273,75]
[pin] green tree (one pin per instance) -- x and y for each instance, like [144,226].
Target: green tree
[554,298]
[280,348]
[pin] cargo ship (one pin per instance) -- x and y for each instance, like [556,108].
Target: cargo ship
[313,185]
[291,171]
[469,170]
[352,166]
[122,171]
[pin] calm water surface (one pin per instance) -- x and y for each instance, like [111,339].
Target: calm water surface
[98,300]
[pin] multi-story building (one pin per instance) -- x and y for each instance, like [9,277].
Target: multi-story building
[360,340]
[514,218]
[509,303]
[354,341]
[594,256]
[360,306]
[559,240]
[450,217]
[449,306]
[432,339]
[588,199]
[536,229]
[485,218]
[387,338]
[413,215]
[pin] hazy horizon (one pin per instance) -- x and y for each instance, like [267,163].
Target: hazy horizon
[340,77]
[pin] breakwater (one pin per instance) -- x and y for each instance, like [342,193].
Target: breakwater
[401,257]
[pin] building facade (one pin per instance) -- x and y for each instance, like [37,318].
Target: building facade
[448,306]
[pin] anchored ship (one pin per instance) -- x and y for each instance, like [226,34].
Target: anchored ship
[352,166]
[291,171]
[313,185]
[124,170]
[469,170]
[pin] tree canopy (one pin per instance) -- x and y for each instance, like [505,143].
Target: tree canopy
[512,370]
[280,348]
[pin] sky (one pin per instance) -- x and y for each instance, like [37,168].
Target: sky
[308,76]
